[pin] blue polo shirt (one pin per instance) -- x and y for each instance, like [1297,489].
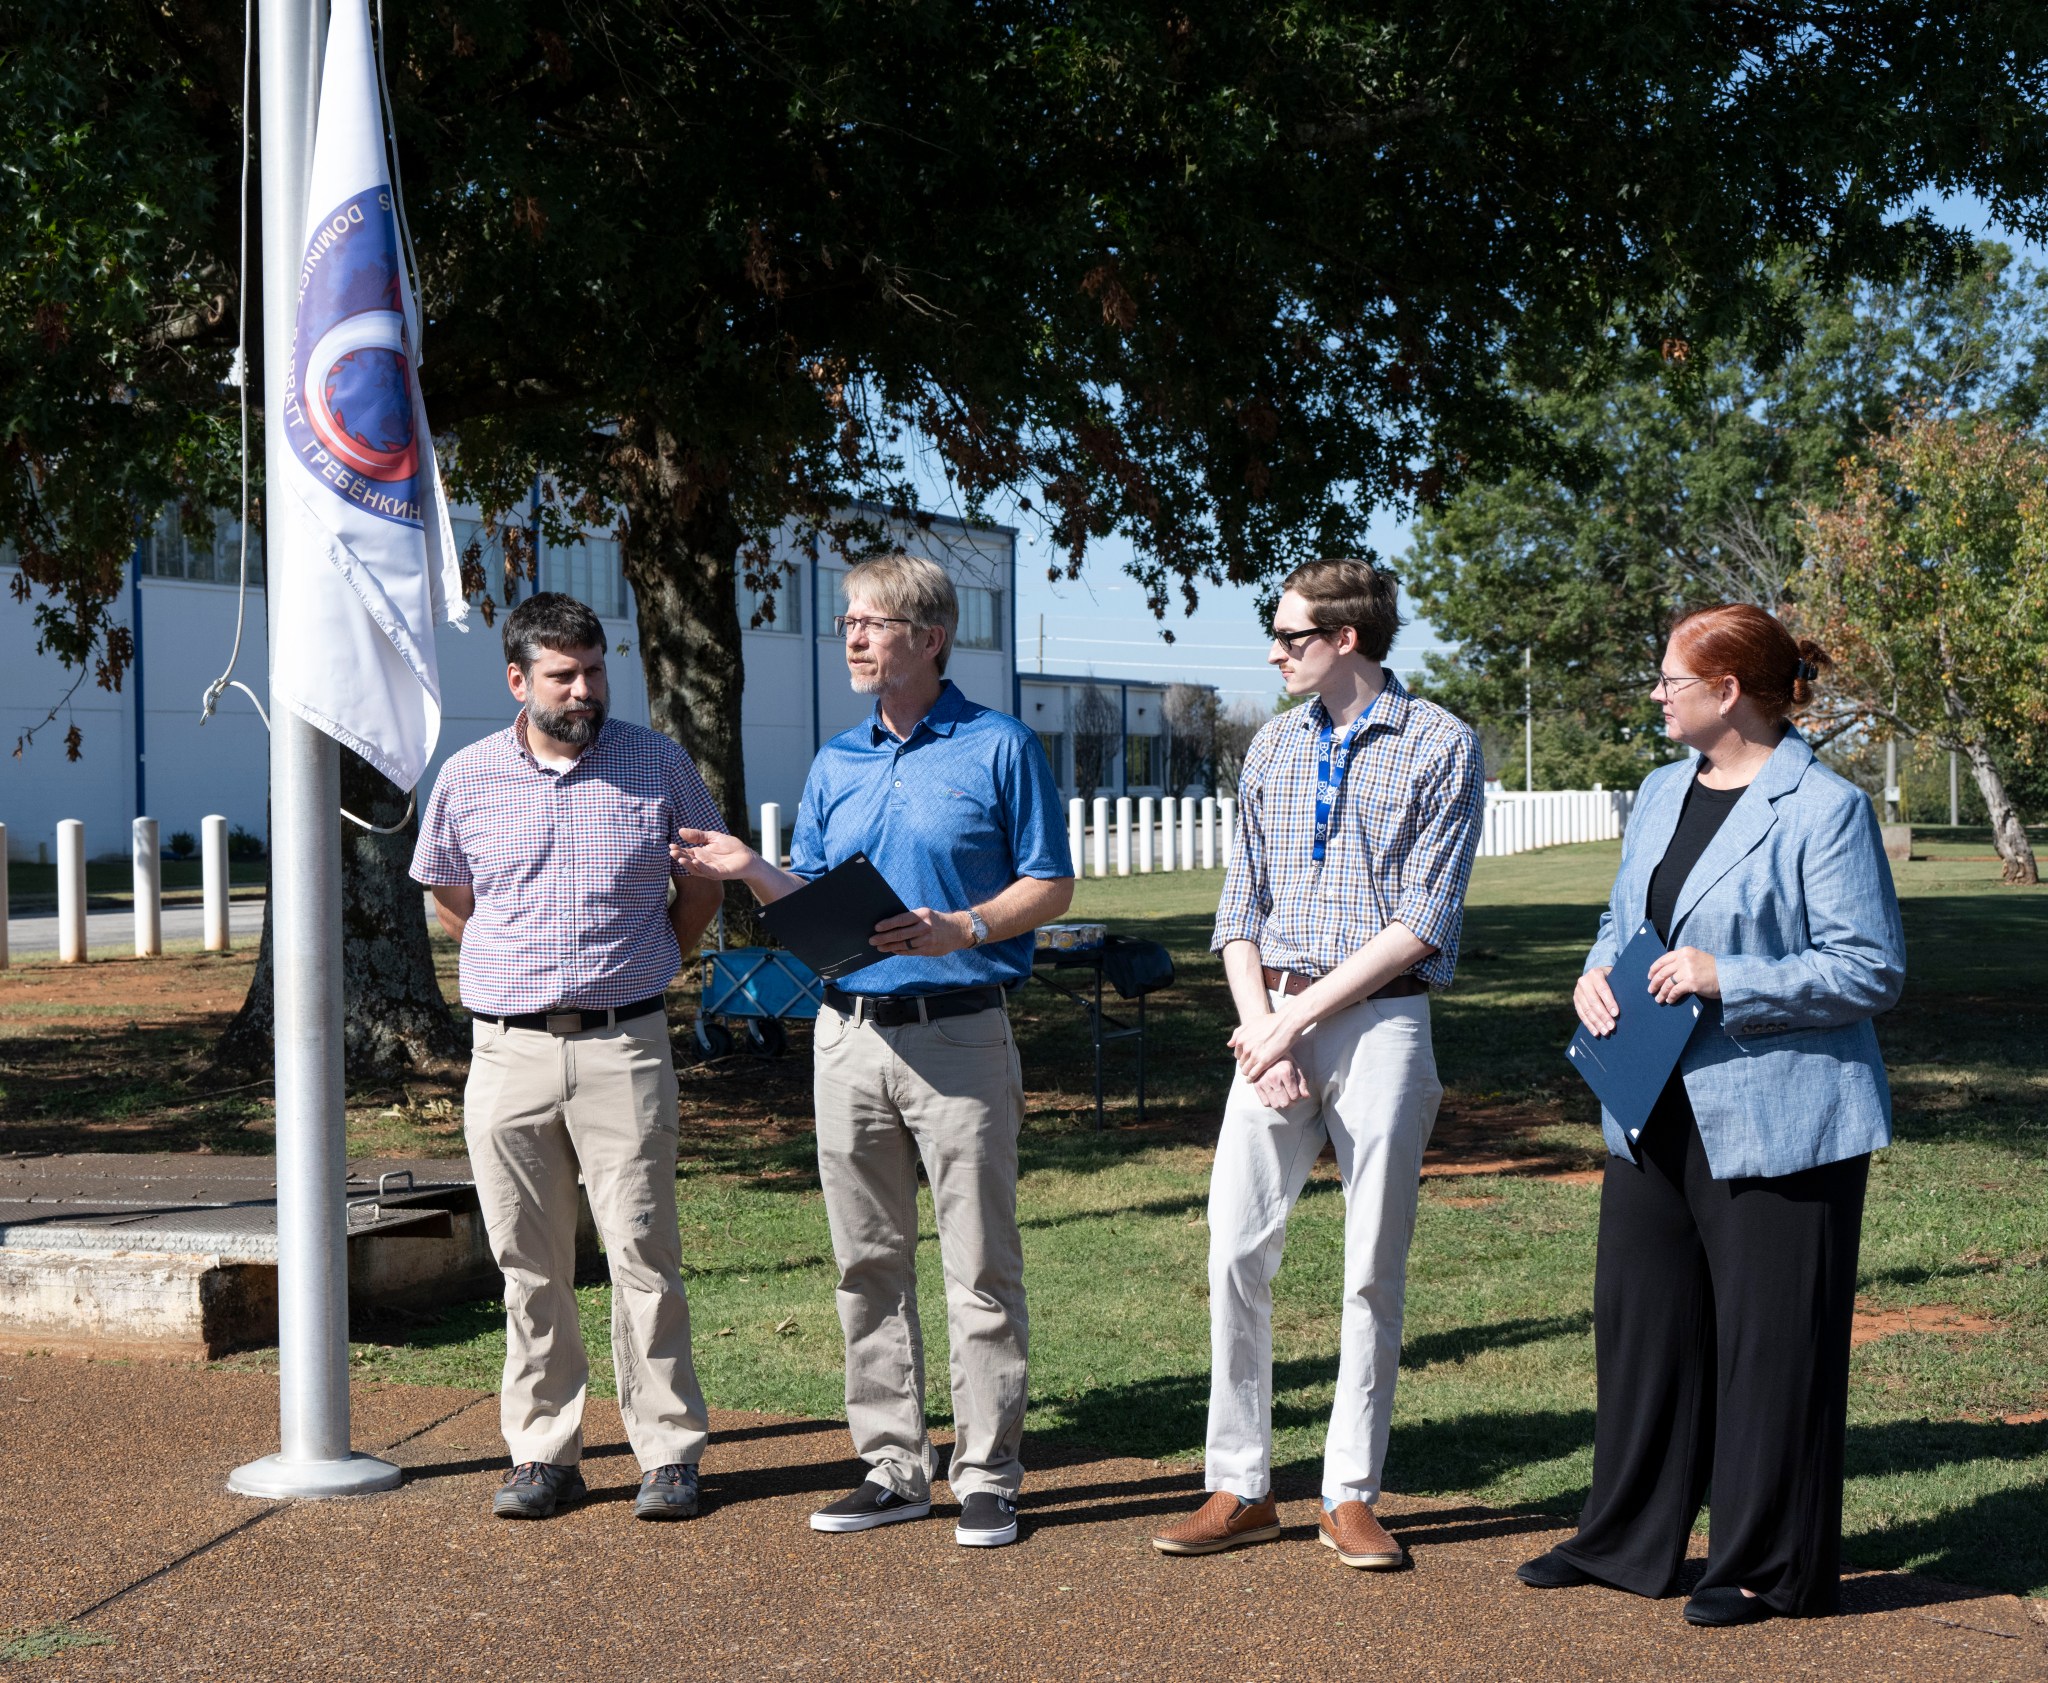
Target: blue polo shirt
[951,817]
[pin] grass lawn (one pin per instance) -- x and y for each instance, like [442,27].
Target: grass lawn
[1948,1442]
[32,888]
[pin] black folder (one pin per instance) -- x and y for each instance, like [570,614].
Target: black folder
[829,922]
[1628,1068]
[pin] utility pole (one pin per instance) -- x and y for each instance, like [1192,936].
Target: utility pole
[1528,722]
[1041,645]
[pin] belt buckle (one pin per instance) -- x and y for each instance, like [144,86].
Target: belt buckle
[565,1022]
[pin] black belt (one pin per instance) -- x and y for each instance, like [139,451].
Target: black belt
[1293,982]
[573,1021]
[893,1010]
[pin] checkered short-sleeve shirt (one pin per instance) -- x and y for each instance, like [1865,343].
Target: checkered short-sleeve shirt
[570,868]
[1403,832]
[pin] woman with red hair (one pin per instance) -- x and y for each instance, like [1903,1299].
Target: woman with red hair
[1726,1277]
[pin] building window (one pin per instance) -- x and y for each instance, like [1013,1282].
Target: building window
[981,618]
[167,552]
[589,569]
[1055,745]
[788,598]
[1145,762]
[831,600]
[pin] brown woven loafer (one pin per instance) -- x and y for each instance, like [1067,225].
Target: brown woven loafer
[1222,1522]
[1355,1532]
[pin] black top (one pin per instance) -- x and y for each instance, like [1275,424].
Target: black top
[1699,821]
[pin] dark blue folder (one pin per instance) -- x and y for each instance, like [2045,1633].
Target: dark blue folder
[1629,1067]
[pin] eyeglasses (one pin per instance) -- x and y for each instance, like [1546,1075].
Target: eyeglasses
[1670,685]
[1292,641]
[845,623]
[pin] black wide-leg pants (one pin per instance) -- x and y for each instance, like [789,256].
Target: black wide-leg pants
[1721,1317]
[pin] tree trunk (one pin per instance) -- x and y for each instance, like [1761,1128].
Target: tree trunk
[681,553]
[2008,834]
[394,1018]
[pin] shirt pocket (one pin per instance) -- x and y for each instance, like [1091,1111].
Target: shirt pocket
[625,834]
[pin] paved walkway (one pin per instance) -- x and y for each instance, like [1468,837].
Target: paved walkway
[32,937]
[116,1516]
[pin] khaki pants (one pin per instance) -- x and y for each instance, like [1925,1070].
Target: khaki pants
[952,1093]
[538,1107]
[1373,1094]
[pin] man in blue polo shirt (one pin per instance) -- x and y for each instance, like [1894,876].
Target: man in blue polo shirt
[956,806]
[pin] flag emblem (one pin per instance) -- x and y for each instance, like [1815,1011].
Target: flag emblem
[354,363]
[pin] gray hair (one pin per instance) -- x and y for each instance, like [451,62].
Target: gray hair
[908,587]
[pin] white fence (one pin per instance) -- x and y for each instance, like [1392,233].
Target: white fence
[1117,838]
[1148,834]
[1520,823]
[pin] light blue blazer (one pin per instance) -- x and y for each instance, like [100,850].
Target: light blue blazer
[1794,900]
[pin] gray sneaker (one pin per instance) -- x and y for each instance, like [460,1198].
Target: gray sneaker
[668,1492]
[871,1505]
[988,1520]
[535,1489]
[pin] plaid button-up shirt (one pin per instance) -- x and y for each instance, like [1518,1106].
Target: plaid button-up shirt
[1403,830]
[570,867]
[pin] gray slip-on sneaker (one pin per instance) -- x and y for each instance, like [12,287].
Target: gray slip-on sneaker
[988,1520]
[871,1505]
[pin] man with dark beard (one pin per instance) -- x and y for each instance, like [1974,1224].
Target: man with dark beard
[546,848]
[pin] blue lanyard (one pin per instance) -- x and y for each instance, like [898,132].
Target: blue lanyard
[1333,759]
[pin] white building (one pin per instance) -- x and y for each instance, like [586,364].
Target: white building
[1133,742]
[143,751]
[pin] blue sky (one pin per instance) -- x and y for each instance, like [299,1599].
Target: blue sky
[1099,623]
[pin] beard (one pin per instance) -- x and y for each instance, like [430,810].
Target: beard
[566,727]
[864,683]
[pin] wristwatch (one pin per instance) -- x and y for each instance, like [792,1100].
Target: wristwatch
[979,925]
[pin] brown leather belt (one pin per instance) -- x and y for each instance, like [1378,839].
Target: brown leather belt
[1293,982]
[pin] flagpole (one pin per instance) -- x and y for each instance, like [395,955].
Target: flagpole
[314,1458]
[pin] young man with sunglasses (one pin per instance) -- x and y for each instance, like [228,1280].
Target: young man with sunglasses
[956,806]
[1358,818]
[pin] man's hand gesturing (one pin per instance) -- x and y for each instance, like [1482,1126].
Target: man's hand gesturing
[709,853]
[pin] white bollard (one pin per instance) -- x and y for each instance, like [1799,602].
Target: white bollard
[3,896]
[1226,813]
[1208,832]
[1148,819]
[1098,853]
[149,889]
[1077,828]
[71,891]
[213,881]
[1187,832]
[771,832]
[1123,835]
[1168,853]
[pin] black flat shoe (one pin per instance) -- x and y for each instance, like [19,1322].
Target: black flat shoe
[1726,1607]
[1553,1571]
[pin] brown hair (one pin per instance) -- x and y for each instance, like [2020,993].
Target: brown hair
[549,620]
[1353,593]
[1775,670]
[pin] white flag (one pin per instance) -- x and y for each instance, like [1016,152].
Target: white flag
[362,516]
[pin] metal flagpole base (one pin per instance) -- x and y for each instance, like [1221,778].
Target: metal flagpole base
[274,1476]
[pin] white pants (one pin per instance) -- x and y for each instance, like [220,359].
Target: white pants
[1373,1093]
